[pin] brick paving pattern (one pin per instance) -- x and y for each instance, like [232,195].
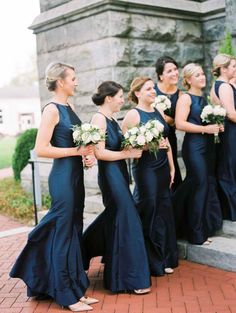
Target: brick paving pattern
[193,288]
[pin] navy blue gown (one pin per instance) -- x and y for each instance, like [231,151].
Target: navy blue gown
[226,164]
[152,196]
[196,204]
[172,135]
[116,234]
[51,262]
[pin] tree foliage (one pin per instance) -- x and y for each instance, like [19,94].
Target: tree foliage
[227,45]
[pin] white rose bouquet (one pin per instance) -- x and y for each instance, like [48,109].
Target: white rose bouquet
[153,135]
[213,114]
[162,103]
[87,134]
[134,137]
[147,135]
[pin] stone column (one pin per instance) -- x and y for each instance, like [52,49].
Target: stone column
[230,7]
[120,39]
[116,40]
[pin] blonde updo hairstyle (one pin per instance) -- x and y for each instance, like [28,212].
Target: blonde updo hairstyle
[187,72]
[54,72]
[221,60]
[136,85]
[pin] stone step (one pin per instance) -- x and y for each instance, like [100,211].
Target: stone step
[228,229]
[221,253]
[93,204]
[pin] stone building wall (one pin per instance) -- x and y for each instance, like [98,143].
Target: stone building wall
[120,39]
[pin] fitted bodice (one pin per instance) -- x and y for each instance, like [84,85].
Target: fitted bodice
[155,115]
[197,104]
[114,135]
[62,134]
[148,158]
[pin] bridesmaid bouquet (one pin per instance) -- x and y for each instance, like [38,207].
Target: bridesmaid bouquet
[213,114]
[87,134]
[147,135]
[162,103]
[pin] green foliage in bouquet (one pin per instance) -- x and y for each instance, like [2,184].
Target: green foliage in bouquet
[24,144]
[227,45]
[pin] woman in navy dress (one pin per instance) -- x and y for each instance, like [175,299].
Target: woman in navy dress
[153,176]
[116,234]
[168,76]
[196,204]
[51,263]
[224,92]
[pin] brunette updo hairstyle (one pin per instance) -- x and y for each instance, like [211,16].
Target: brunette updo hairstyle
[221,60]
[187,72]
[136,85]
[160,65]
[55,71]
[107,88]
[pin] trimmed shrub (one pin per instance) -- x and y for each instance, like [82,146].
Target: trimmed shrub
[24,144]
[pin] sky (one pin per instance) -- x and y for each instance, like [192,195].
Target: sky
[17,42]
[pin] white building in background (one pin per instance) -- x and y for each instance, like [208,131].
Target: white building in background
[19,109]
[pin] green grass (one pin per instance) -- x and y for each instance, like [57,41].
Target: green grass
[17,203]
[7,146]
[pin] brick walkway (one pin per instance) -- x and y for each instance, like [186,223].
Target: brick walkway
[193,288]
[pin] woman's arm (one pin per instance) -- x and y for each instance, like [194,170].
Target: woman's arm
[104,154]
[226,96]
[43,148]
[131,119]
[171,163]
[169,120]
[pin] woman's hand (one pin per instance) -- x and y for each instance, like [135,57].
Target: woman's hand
[89,161]
[212,129]
[133,153]
[88,150]
[163,144]
[222,128]
[172,176]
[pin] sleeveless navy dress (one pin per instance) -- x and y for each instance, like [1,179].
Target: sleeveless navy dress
[172,135]
[116,234]
[152,196]
[51,262]
[196,204]
[226,164]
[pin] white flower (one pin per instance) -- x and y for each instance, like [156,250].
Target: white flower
[142,129]
[155,132]
[158,125]
[148,136]
[126,135]
[207,110]
[148,125]
[141,140]
[218,110]
[134,130]
[132,140]
[86,138]
[162,102]
[86,126]
[96,137]
[76,135]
